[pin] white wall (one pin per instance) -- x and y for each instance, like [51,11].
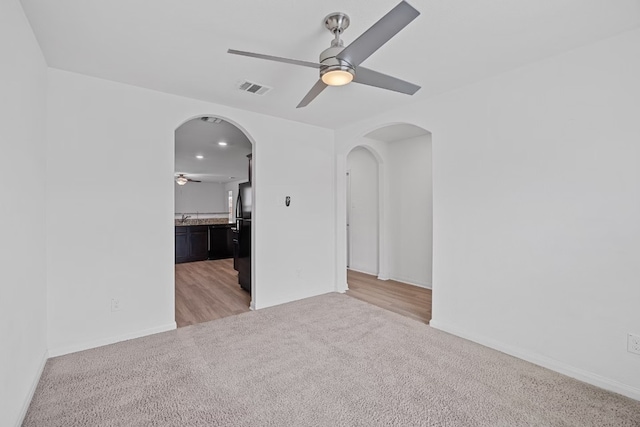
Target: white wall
[202,197]
[363,211]
[536,204]
[22,213]
[105,132]
[410,202]
[295,244]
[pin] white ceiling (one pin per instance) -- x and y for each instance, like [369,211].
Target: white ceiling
[220,164]
[180,46]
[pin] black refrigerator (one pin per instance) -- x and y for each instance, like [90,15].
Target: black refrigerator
[243,230]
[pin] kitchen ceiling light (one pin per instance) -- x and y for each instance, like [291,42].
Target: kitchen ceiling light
[181,180]
[222,143]
[200,156]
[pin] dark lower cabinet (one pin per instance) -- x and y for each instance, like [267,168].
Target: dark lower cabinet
[182,244]
[220,241]
[192,243]
[199,242]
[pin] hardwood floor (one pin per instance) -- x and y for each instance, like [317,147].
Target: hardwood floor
[408,300]
[208,290]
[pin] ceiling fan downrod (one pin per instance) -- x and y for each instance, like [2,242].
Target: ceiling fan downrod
[336,23]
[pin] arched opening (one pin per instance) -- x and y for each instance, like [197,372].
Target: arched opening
[213,214]
[394,191]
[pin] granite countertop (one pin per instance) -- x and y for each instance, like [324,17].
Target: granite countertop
[204,221]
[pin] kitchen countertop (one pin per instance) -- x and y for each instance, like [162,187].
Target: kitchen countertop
[204,221]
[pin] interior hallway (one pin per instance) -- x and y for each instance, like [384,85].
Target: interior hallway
[408,300]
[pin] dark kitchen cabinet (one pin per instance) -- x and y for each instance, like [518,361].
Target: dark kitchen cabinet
[192,243]
[220,241]
[199,242]
[182,244]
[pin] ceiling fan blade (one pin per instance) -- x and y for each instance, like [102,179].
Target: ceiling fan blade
[315,91]
[379,33]
[193,180]
[369,77]
[274,58]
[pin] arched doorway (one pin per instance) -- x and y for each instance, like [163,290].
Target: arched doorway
[213,216]
[404,214]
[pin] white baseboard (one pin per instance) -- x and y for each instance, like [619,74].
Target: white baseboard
[411,282]
[544,361]
[290,298]
[55,352]
[341,287]
[32,389]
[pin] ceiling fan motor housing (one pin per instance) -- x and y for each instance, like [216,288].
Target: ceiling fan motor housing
[331,63]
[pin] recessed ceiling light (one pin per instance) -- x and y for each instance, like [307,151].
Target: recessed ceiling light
[222,143]
[199,156]
[215,120]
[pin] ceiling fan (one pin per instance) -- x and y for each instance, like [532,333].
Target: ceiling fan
[340,65]
[182,180]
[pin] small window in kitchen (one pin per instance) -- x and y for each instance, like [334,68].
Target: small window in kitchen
[230,206]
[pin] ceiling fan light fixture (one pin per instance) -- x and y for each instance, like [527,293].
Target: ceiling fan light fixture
[335,72]
[338,63]
[181,180]
[337,77]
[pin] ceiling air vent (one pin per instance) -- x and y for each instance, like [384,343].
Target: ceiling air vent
[247,86]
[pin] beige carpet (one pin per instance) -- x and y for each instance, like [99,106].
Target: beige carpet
[325,361]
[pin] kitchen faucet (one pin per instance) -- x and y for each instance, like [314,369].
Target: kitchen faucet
[185,217]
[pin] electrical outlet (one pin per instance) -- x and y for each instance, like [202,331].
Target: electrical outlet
[115,304]
[633,343]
